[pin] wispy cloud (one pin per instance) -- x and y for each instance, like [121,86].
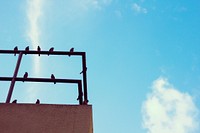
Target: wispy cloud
[34,12]
[72,10]
[95,4]
[138,9]
[168,110]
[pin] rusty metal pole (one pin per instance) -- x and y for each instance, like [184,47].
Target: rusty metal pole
[84,67]
[13,79]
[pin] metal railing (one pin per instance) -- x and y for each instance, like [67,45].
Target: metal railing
[56,80]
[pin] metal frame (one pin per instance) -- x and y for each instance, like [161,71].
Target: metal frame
[79,82]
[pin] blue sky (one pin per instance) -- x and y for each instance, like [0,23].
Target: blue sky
[143,59]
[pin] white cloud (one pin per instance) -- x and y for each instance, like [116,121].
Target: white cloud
[34,12]
[168,110]
[138,9]
[96,4]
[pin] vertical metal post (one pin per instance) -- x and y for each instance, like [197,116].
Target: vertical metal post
[80,93]
[84,78]
[13,79]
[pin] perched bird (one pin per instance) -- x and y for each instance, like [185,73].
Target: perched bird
[26,49]
[85,102]
[51,50]
[53,78]
[84,70]
[38,49]
[15,101]
[80,96]
[25,75]
[38,101]
[15,50]
[71,51]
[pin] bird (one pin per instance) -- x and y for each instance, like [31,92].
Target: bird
[26,49]
[84,70]
[15,50]
[71,51]
[53,78]
[38,101]
[25,75]
[85,102]
[80,96]
[15,101]
[38,49]
[51,50]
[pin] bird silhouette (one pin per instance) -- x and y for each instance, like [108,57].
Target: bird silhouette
[84,70]
[53,78]
[26,49]
[85,102]
[71,51]
[38,101]
[25,75]
[15,101]
[51,50]
[80,96]
[38,49]
[15,50]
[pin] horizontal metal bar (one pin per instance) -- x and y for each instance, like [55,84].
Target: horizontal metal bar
[41,80]
[42,52]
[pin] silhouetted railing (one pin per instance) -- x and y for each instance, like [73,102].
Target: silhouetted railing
[52,79]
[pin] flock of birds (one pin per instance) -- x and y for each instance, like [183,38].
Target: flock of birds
[52,75]
[26,76]
[37,102]
[50,50]
[39,49]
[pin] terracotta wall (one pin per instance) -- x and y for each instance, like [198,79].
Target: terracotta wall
[45,118]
